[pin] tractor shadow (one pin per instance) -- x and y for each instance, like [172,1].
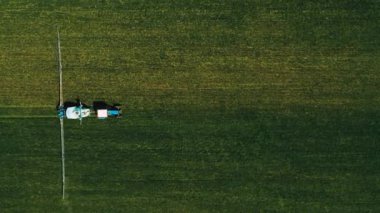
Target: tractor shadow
[104,105]
[75,103]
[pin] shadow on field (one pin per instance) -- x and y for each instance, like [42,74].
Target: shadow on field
[75,103]
[104,105]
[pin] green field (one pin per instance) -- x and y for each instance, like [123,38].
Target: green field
[232,106]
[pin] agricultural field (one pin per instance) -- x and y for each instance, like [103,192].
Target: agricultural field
[229,106]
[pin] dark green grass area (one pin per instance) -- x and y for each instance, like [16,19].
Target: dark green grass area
[196,160]
[233,106]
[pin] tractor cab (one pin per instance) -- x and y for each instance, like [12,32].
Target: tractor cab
[104,110]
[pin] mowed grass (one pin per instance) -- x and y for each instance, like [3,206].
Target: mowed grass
[233,106]
[195,160]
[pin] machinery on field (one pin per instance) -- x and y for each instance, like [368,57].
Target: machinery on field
[61,114]
[78,111]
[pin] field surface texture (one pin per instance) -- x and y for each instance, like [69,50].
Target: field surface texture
[232,106]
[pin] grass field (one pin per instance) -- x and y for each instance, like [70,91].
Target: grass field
[234,106]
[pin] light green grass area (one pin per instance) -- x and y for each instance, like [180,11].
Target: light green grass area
[233,106]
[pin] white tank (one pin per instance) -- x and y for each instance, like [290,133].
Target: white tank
[77,113]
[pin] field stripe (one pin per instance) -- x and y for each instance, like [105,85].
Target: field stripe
[27,116]
[32,107]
